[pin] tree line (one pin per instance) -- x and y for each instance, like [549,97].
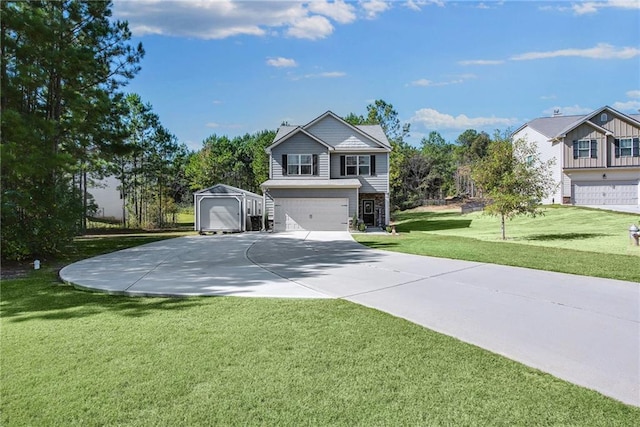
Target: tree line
[67,123]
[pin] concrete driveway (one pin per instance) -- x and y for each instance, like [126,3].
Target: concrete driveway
[581,329]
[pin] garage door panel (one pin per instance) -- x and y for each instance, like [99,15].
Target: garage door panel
[220,214]
[326,214]
[609,193]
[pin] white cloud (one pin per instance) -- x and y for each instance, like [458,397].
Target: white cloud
[433,119]
[633,94]
[219,19]
[213,125]
[418,4]
[572,110]
[322,75]
[373,8]
[627,106]
[339,11]
[281,62]
[312,27]
[600,51]
[482,62]
[584,8]
[455,80]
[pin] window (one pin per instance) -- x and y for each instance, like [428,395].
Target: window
[363,165]
[585,148]
[299,164]
[357,165]
[352,165]
[626,147]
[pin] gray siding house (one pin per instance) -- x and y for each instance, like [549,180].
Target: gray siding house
[597,156]
[325,172]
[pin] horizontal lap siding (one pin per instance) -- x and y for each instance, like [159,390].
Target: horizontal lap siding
[370,184]
[318,193]
[300,144]
[339,135]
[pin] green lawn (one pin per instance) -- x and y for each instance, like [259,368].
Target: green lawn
[78,358]
[566,239]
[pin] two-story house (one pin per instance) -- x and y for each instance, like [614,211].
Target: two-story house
[325,172]
[597,156]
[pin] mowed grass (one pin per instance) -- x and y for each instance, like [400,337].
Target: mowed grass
[76,358]
[565,239]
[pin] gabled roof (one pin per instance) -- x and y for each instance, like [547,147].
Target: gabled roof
[558,126]
[290,131]
[223,189]
[373,133]
[368,131]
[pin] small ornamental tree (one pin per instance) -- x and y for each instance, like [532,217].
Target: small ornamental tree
[513,178]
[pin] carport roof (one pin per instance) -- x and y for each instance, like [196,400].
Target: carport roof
[311,183]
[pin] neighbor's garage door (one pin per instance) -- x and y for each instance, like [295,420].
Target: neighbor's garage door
[609,193]
[292,214]
[219,213]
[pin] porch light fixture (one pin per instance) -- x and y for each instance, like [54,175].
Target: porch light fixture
[604,176]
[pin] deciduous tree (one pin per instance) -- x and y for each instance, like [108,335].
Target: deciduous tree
[513,178]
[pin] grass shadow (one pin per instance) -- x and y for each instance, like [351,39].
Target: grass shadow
[42,296]
[433,225]
[563,236]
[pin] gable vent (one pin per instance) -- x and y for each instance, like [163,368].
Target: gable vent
[604,117]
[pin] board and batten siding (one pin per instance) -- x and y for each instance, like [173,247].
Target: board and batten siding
[377,183]
[340,136]
[585,132]
[318,193]
[300,144]
[620,128]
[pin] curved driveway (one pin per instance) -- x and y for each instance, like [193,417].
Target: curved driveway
[582,329]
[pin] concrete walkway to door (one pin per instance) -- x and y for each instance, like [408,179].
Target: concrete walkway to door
[582,329]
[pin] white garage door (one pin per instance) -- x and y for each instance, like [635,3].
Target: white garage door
[219,213]
[292,214]
[609,193]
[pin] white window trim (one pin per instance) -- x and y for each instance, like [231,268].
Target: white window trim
[586,150]
[630,147]
[298,164]
[357,165]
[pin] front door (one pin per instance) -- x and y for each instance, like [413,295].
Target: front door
[367,212]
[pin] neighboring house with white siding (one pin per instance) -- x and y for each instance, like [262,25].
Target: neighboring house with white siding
[108,198]
[597,156]
[325,172]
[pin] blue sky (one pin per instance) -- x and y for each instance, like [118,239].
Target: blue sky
[229,67]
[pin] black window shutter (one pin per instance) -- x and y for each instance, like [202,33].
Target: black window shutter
[373,164]
[594,149]
[575,149]
[284,164]
[342,167]
[636,147]
[616,143]
[315,164]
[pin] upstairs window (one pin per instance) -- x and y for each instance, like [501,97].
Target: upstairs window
[299,164]
[585,149]
[358,165]
[627,147]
